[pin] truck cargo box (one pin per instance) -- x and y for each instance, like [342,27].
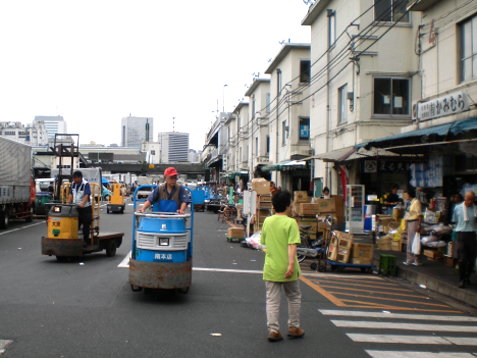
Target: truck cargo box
[15,172]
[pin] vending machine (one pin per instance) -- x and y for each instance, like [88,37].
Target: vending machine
[354,210]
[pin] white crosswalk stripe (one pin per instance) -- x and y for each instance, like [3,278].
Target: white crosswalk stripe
[464,332]
[3,344]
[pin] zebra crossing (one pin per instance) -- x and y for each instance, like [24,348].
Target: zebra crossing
[388,335]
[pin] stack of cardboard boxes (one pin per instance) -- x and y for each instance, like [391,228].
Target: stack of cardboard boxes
[264,202]
[344,249]
[305,212]
[392,232]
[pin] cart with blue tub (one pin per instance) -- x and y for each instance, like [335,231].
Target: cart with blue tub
[162,247]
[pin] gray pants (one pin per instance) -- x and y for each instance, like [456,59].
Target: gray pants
[293,293]
[411,233]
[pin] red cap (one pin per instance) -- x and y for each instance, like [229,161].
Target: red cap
[170,172]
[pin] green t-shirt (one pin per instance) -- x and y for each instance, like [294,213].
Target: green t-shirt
[278,232]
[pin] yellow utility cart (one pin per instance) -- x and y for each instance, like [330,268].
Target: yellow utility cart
[63,239]
[116,200]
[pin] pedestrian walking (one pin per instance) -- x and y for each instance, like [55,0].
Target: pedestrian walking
[413,219]
[465,216]
[280,235]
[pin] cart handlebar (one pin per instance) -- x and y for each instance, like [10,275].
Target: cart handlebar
[162,215]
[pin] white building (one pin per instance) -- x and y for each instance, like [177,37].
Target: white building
[173,147]
[33,135]
[363,81]
[53,125]
[136,130]
[289,118]
[259,115]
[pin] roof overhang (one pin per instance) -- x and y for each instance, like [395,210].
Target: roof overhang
[283,53]
[315,11]
[255,84]
[420,5]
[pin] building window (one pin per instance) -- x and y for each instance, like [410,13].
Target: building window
[468,49]
[268,102]
[391,10]
[304,71]
[284,132]
[391,96]
[279,81]
[268,144]
[256,146]
[342,109]
[304,129]
[331,27]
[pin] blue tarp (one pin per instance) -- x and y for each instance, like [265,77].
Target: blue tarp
[441,132]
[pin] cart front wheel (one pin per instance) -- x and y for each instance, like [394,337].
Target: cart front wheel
[111,248]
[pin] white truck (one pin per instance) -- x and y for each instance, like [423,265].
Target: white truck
[17,188]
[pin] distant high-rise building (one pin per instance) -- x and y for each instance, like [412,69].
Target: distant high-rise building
[53,125]
[34,135]
[136,130]
[173,147]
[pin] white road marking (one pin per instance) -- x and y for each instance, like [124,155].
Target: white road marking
[404,326]
[22,228]
[453,318]
[408,339]
[400,354]
[125,264]
[3,344]
[207,269]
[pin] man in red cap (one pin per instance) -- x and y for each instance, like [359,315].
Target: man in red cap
[171,196]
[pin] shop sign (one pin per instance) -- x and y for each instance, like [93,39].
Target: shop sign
[384,166]
[453,103]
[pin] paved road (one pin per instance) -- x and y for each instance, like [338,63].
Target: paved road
[86,308]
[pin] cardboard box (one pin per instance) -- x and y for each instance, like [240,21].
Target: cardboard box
[236,232]
[385,243]
[332,205]
[307,209]
[396,245]
[261,186]
[340,247]
[363,253]
[301,197]
[432,254]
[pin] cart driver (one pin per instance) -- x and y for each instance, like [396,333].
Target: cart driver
[80,193]
[170,196]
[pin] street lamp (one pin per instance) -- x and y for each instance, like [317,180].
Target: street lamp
[223,98]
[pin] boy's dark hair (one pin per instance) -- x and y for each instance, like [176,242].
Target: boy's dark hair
[77,174]
[281,201]
[411,191]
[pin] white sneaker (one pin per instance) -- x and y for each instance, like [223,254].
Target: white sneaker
[405,263]
[416,264]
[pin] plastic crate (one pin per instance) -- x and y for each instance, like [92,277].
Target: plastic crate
[387,265]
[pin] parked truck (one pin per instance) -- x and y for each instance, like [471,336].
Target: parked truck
[17,188]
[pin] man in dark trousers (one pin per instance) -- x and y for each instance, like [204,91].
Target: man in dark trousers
[465,216]
[80,194]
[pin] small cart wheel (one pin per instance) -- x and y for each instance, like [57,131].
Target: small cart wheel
[183,290]
[314,266]
[136,288]
[111,248]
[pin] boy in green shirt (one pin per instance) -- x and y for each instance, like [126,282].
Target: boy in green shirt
[280,235]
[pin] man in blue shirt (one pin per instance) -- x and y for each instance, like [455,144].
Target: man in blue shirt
[80,194]
[171,196]
[465,216]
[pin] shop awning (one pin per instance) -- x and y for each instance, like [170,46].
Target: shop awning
[463,129]
[284,166]
[337,155]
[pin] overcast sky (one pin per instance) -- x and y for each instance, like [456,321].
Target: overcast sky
[96,61]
